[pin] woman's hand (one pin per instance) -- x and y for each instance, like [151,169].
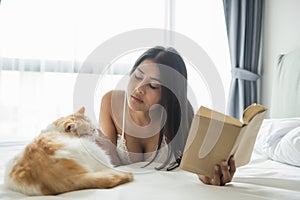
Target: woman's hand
[223,173]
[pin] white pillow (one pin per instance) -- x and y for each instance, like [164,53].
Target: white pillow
[279,139]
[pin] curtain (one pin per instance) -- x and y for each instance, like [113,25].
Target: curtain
[29,101]
[58,35]
[244,30]
[42,47]
[39,65]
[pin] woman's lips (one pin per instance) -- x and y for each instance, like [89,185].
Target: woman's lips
[136,99]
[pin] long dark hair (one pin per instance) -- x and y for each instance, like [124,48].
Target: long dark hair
[178,109]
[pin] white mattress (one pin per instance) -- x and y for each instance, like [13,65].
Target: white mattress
[260,179]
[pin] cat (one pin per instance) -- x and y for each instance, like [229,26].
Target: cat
[57,161]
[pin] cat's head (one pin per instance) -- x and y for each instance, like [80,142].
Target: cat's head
[76,124]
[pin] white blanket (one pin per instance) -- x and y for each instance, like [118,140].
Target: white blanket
[260,179]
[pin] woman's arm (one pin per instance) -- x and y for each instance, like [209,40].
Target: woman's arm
[223,173]
[108,129]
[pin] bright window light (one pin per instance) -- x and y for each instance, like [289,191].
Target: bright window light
[203,21]
[70,29]
[36,35]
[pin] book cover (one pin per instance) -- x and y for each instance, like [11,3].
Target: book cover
[214,137]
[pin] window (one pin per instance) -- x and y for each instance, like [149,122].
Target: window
[40,35]
[41,39]
[204,22]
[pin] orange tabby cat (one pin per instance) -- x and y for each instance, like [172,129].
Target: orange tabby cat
[57,161]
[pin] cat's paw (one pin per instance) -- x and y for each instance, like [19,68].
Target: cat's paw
[128,177]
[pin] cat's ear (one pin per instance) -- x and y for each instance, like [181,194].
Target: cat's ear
[81,110]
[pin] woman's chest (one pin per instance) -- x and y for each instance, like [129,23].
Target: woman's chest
[136,144]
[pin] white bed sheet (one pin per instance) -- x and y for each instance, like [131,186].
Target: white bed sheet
[260,179]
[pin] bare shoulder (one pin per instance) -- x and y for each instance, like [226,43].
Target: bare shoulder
[112,98]
[110,112]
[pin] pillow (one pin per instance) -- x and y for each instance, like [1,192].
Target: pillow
[285,101]
[279,139]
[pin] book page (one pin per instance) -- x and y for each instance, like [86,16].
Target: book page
[208,113]
[251,111]
[247,140]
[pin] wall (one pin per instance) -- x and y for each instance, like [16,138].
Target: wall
[281,35]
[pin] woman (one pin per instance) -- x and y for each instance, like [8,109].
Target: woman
[150,121]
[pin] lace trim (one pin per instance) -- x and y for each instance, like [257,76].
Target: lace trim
[122,150]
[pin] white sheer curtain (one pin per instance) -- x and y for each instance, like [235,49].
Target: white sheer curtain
[204,22]
[43,42]
[57,35]
[30,101]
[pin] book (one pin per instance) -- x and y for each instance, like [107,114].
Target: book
[214,137]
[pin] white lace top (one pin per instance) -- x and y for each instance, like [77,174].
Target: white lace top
[122,148]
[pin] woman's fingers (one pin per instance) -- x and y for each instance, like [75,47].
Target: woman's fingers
[204,179]
[225,172]
[212,181]
[228,170]
[232,167]
[217,176]
[222,173]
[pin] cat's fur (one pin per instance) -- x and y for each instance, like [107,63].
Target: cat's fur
[57,161]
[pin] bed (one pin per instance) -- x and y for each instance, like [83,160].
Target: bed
[273,172]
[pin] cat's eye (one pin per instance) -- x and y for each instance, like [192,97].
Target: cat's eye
[68,129]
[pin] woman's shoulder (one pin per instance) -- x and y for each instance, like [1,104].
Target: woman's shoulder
[113,96]
[113,93]
[112,106]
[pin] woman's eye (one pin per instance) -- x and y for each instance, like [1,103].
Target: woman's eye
[138,77]
[153,86]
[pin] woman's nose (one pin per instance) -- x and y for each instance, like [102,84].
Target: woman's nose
[140,88]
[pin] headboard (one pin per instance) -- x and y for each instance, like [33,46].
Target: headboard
[285,100]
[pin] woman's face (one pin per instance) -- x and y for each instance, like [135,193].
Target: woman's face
[144,88]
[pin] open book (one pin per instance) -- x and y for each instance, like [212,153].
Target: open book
[214,137]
